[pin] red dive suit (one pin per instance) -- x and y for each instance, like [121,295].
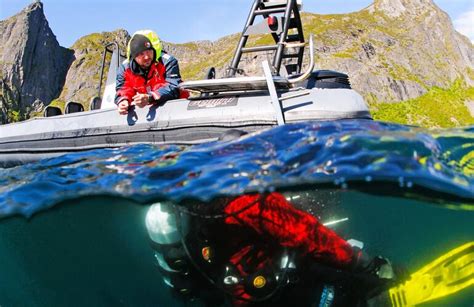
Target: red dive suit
[272,216]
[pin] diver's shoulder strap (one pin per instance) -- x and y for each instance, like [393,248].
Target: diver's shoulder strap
[446,275]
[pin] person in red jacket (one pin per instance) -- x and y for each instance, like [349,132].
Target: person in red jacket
[253,246]
[149,76]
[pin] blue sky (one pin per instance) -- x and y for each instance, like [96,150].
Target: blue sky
[181,21]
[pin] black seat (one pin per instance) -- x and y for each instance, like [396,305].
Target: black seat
[95,103]
[73,107]
[328,79]
[52,111]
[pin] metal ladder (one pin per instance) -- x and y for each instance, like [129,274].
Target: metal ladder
[279,18]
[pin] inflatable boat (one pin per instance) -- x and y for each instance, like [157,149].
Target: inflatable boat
[284,94]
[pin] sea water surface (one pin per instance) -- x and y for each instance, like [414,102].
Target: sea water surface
[72,228]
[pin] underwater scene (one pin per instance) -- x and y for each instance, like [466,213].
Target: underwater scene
[334,213]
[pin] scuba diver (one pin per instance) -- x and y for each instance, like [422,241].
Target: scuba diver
[260,250]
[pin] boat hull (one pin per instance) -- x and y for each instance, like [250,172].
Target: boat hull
[176,122]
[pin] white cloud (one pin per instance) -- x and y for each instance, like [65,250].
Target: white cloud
[464,24]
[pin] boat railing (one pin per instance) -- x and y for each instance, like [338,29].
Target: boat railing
[105,99]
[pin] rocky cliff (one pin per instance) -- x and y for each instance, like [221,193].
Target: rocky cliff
[82,80]
[395,49]
[32,64]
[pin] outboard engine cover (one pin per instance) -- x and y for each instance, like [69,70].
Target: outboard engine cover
[328,79]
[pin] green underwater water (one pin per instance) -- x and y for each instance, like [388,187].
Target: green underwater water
[94,251]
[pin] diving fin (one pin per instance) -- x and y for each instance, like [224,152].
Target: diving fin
[446,275]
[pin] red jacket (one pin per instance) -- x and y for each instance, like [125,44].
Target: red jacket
[140,84]
[161,80]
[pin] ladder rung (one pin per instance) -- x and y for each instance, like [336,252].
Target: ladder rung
[274,3]
[259,48]
[291,56]
[270,11]
[295,38]
[283,3]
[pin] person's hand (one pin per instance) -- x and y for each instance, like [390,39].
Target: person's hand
[140,100]
[123,107]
